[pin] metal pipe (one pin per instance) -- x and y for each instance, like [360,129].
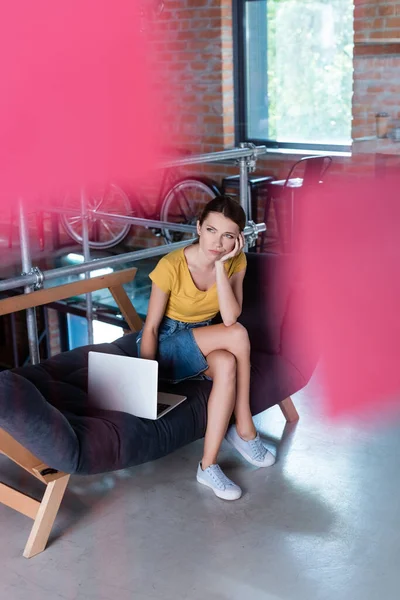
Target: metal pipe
[26,268]
[244,188]
[145,222]
[86,256]
[99,263]
[232,154]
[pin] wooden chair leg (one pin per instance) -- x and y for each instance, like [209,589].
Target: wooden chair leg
[289,410]
[46,516]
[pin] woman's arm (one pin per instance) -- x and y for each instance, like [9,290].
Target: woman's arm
[230,294]
[230,291]
[157,304]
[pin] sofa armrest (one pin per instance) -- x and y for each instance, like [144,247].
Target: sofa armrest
[297,343]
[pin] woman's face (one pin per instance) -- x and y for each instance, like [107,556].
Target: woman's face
[217,235]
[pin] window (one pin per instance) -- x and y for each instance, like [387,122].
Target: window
[102,332]
[294,72]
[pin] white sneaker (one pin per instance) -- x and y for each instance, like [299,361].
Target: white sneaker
[253,451]
[214,478]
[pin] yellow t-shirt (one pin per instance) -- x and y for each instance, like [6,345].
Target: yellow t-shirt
[186,302]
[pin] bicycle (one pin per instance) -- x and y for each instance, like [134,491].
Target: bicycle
[179,200]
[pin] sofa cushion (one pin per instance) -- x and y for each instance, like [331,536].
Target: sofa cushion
[40,427]
[68,434]
[78,438]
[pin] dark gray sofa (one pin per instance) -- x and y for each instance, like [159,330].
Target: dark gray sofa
[45,407]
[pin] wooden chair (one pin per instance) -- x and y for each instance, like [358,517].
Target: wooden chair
[44,512]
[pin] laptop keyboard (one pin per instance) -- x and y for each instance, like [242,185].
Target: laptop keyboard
[161,407]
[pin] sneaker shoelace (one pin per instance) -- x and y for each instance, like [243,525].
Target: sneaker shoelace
[258,449]
[219,477]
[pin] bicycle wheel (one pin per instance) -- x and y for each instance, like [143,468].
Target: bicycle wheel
[102,232]
[183,204]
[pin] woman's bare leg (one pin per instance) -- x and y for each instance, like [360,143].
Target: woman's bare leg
[233,339]
[222,369]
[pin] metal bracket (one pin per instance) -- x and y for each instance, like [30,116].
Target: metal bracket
[251,238]
[39,277]
[251,161]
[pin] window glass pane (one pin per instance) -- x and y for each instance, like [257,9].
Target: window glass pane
[102,332]
[299,70]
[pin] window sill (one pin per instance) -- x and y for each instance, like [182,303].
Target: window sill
[371,145]
[302,152]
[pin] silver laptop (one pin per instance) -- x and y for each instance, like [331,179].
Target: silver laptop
[129,385]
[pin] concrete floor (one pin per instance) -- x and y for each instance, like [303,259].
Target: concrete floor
[322,524]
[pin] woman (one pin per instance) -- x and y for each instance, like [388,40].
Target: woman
[190,286]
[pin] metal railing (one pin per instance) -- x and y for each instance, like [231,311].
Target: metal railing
[32,278]
[36,277]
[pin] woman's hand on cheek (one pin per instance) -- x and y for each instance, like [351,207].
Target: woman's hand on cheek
[239,243]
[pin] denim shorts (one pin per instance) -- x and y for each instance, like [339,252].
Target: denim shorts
[178,354]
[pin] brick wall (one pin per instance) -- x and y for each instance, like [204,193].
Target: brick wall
[53,331]
[194,63]
[376,77]
[196,60]
[193,69]
[376,19]
[193,66]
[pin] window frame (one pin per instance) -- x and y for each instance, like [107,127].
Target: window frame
[239,81]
